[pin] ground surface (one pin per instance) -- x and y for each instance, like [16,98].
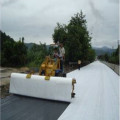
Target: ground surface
[97,93]
[26,108]
[6,72]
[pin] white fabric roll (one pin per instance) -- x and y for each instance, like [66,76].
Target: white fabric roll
[57,88]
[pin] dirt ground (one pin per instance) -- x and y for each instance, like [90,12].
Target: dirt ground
[6,73]
[4,91]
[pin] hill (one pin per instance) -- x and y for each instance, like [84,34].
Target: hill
[103,50]
[99,51]
[29,45]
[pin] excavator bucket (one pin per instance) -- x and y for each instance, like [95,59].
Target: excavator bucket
[45,87]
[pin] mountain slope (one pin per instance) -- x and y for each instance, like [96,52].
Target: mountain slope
[103,50]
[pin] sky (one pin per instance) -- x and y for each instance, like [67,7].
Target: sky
[35,20]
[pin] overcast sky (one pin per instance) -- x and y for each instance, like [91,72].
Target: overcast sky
[35,20]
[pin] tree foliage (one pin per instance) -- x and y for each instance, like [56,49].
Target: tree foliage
[12,53]
[74,36]
[36,55]
[16,54]
[76,39]
[113,58]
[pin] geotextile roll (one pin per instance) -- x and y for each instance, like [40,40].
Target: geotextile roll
[56,88]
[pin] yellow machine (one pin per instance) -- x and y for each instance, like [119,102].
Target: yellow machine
[50,67]
[44,85]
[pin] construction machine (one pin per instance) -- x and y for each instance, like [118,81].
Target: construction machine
[51,83]
[51,67]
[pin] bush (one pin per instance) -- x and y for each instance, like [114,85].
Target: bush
[36,55]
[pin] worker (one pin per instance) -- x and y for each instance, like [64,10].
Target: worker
[55,54]
[61,55]
[79,64]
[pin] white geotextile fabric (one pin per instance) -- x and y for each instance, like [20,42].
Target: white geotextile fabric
[97,94]
[57,88]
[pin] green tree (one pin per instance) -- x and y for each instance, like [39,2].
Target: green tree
[36,55]
[75,38]
[60,33]
[20,53]
[12,53]
[114,58]
[106,57]
[23,39]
